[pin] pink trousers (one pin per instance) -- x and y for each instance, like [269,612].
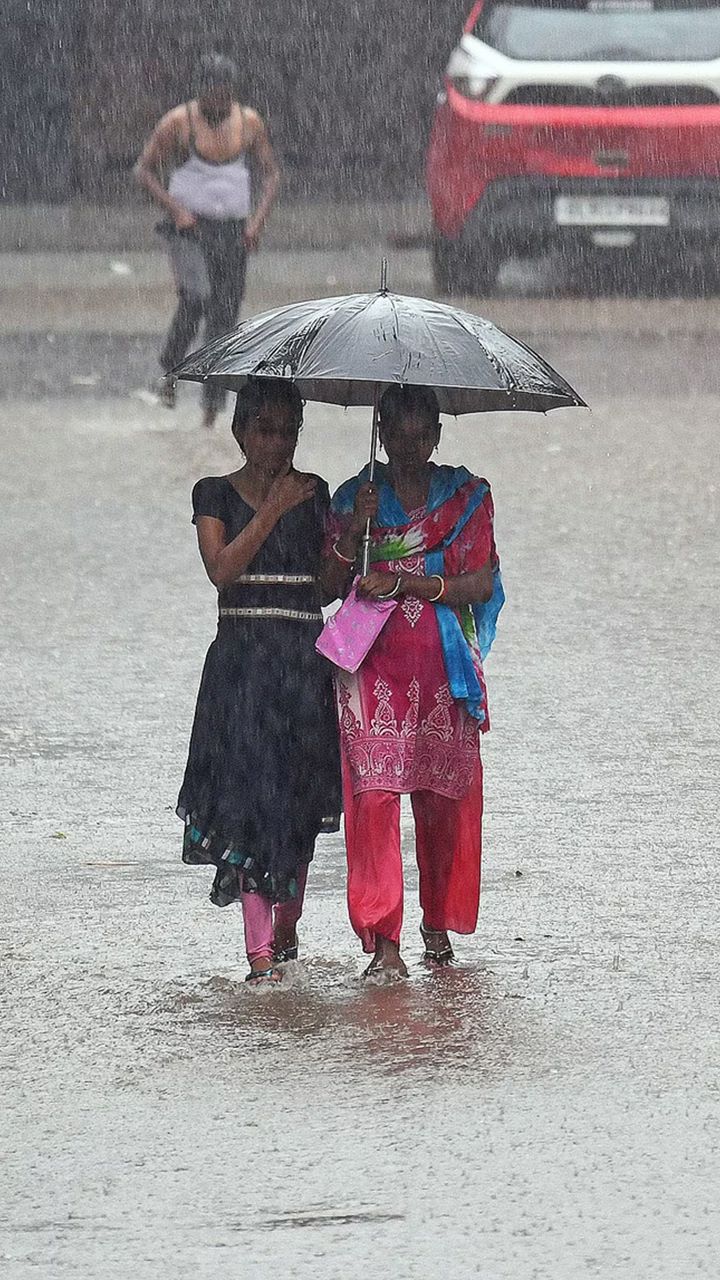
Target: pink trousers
[448,849]
[260,917]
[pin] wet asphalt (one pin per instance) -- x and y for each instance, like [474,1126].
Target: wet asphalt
[545,1110]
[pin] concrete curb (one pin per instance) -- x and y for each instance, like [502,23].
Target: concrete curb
[131,293]
[299,224]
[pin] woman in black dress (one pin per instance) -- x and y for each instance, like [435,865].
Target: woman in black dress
[262,778]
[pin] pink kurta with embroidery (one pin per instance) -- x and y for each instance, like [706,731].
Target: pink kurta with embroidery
[400,726]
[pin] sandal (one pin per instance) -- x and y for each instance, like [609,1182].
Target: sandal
[264,975]
[440,955]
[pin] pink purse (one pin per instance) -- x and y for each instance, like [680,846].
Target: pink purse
[347,637]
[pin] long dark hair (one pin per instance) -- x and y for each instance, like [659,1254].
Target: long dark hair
[259,392]
[401,399]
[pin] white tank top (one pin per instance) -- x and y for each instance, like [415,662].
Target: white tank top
[212,189]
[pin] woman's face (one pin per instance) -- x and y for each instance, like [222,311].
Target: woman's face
[270,438]
[410,440]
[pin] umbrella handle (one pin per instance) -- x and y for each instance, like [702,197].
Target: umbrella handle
[365,558]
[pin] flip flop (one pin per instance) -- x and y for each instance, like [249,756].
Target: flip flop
[263,975]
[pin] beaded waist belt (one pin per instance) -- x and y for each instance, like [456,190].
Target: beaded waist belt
[276,579]
[298,615]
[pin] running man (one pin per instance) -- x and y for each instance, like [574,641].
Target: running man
[205,146]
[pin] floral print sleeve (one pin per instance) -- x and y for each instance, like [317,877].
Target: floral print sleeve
[475,543]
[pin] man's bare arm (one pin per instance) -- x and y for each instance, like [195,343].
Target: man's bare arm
[264,156]
[157,156]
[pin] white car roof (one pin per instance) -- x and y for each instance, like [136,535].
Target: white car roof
[474,58]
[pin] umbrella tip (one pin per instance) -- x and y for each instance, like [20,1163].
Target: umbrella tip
[383,276]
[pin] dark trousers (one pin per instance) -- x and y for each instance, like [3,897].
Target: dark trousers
[209,265]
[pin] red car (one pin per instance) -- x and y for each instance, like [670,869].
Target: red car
[589,124]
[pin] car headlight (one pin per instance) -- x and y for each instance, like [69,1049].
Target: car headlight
[473,86]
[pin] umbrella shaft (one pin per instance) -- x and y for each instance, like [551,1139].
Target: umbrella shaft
[365,560]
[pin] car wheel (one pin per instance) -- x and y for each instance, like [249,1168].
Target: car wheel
[459,267]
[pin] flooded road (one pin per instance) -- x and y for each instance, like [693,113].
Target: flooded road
[546,1110]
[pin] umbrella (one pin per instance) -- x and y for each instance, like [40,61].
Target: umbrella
[348,350]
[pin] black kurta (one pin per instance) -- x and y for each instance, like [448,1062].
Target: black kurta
[263,775]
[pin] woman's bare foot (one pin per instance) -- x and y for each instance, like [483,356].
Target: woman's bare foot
[387,959]
[263,970]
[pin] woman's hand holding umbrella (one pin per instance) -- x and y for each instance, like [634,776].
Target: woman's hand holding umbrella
[336,571]
[378,585]
[366,507]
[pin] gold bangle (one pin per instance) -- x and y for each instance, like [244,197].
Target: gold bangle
[339,554]
[441,592]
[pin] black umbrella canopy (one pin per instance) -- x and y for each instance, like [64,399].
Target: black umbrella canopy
[344,350]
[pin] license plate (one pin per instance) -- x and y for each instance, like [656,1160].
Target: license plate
[612,211]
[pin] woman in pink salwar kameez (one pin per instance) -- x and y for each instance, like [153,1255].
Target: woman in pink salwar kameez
[412,715]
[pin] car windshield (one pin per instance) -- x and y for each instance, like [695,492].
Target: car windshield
[602,30]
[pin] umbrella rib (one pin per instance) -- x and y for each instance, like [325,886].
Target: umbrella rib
[431,335]
[468,323]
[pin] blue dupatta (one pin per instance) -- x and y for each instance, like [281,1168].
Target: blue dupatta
[466,633]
